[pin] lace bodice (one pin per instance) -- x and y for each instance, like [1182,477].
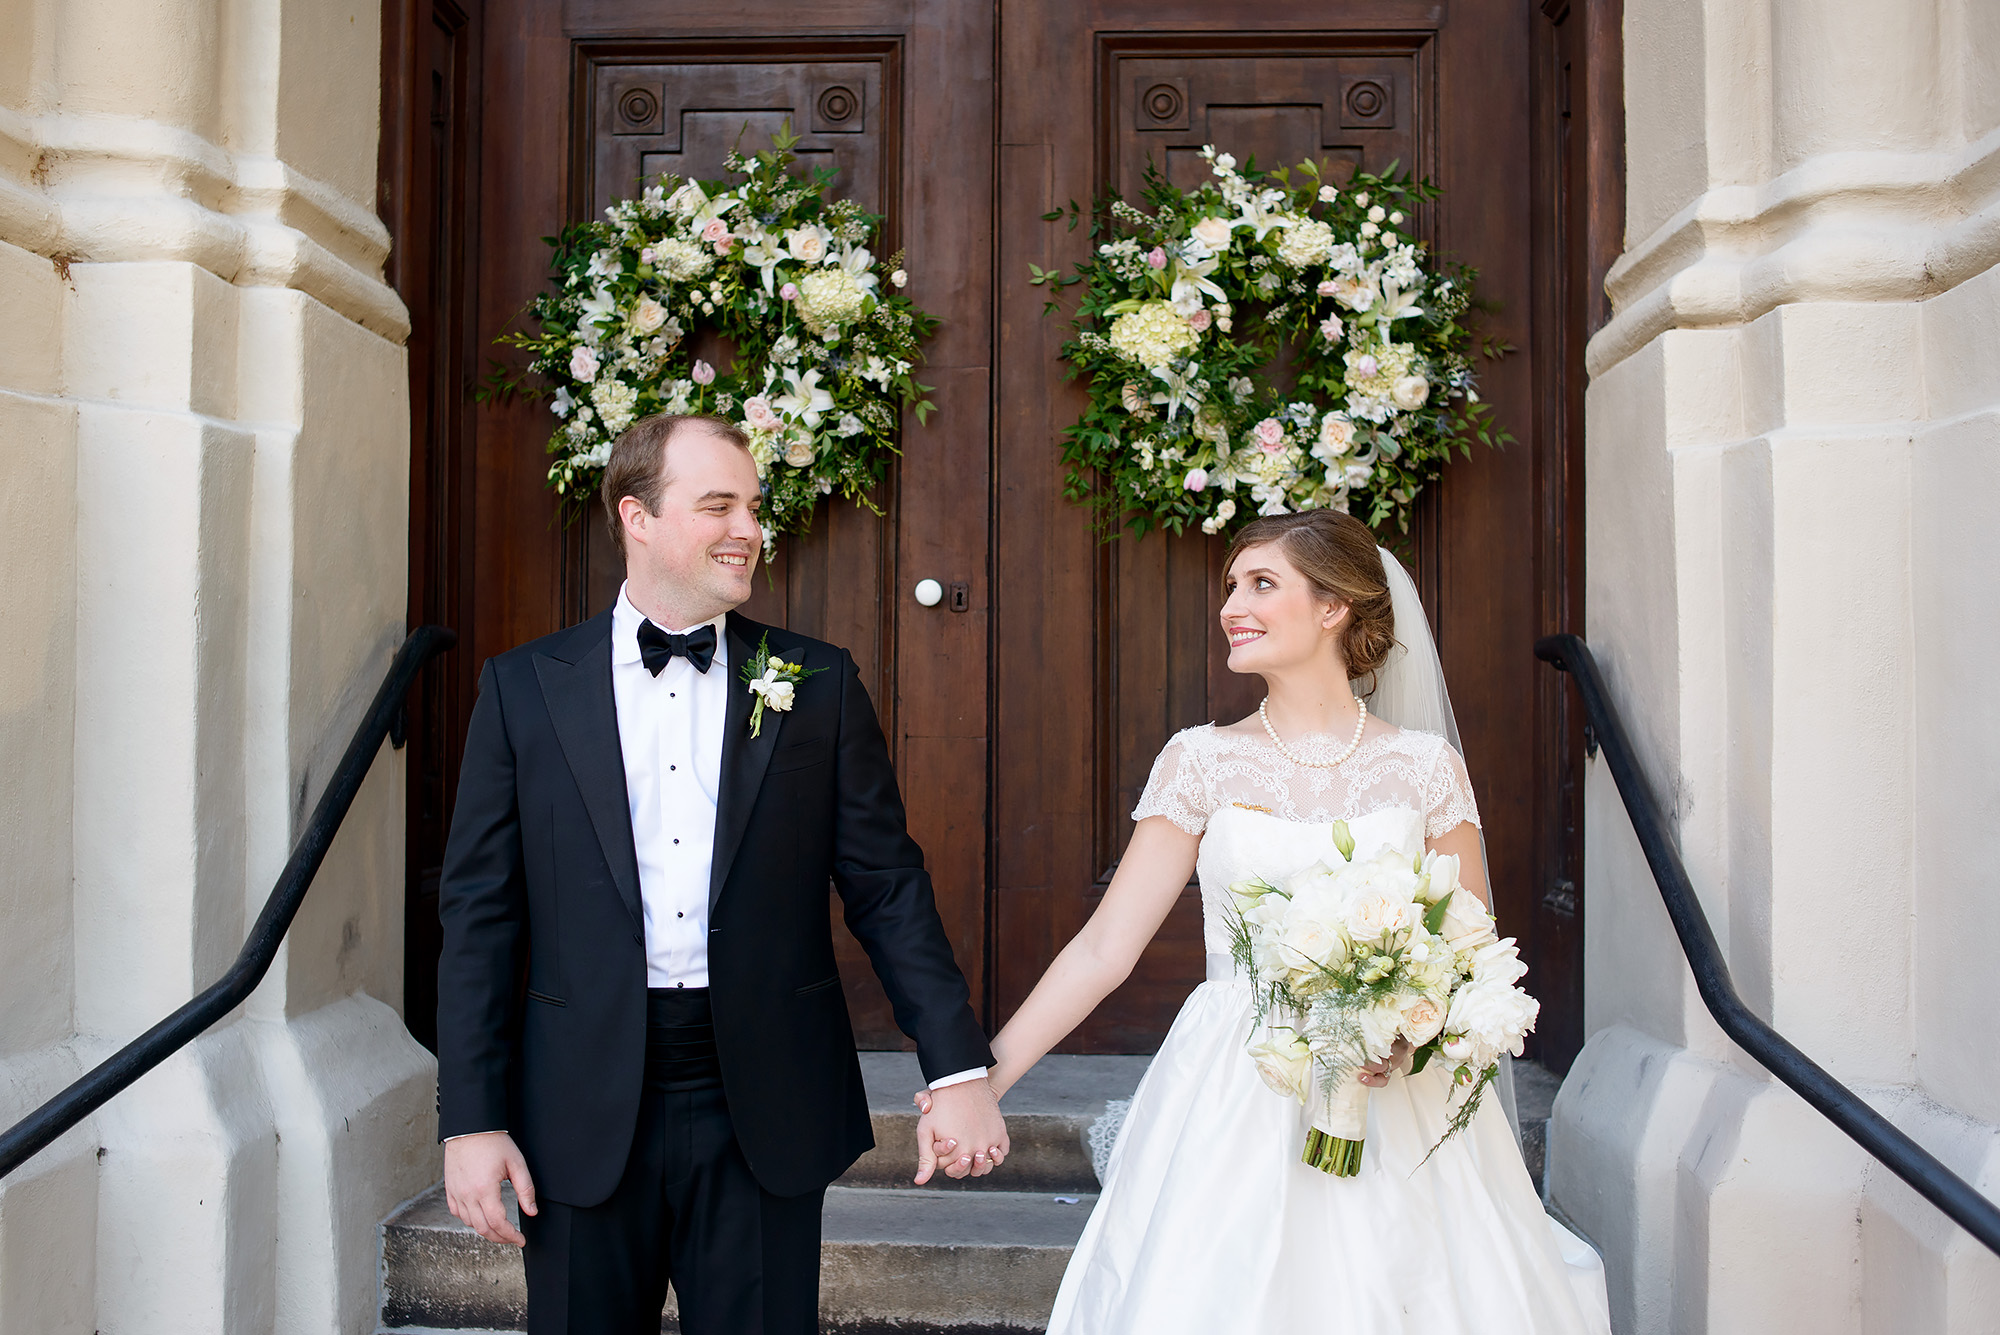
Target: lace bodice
[1205,769]
[1261,814]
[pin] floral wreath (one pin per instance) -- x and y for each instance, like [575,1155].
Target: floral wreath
[1184,310]
[823,352]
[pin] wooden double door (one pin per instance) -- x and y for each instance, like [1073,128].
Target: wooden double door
[1025,708]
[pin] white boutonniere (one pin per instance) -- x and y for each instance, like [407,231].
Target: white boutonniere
[773,681]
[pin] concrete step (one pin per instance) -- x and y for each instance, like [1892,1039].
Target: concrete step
[1535,1089]
[912,1262]
[1048,1117]
[980,1256]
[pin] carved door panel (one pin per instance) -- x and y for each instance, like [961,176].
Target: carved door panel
[1438,88]
[588,100]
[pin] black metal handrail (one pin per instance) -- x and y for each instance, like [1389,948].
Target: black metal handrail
[35,1132]
[1840,1105]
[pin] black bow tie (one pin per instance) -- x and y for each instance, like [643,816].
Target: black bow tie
[657,648]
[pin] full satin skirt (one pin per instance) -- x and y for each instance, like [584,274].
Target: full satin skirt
[1209,1223]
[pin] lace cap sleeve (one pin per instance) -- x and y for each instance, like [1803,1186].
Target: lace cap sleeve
[1448,794]
[1177,789]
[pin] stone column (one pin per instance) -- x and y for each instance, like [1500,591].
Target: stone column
[204,418]
[1794,444]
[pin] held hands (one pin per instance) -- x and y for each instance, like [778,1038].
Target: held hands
[1376,1074]
[474,1168]
[960,1131]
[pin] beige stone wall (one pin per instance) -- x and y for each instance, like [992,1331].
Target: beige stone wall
[1794,440]
[204,432]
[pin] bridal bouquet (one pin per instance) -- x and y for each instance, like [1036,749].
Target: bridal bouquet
[1343,960]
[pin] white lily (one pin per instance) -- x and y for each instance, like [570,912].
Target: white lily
[1255,215]
[765,255]
[1180,390]
[1397,304]
[857,261]
[599,308]
[806,401]
[711,209]
[1192,283]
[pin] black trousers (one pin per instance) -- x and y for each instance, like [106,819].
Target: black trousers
[742,1261]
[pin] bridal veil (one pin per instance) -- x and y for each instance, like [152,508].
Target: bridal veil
[1410,692]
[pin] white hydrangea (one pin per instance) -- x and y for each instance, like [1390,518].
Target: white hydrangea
[1305,243]
[616,403]
[679,261]
[830,297]
[1154,335]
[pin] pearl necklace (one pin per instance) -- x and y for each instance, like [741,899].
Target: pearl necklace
[1286,751]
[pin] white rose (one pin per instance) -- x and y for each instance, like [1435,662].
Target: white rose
[778,695]
[1336,434]
[1285,1062]
[899,278]
[1373,913]
[648,315]
[1377,214]
[1213,233]
[807,244]
[1467,925]
[1423,1017]
[1310,943]
[1410,392]
[583,364]
[799,452]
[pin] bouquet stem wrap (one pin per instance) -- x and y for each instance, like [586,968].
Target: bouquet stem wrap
[1334,1143]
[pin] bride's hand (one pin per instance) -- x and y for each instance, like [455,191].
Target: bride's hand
[1376,1074]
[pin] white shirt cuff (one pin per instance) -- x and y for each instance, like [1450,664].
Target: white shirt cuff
[463,1134]
[960,1078]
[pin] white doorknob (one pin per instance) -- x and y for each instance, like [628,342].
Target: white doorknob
[929,592]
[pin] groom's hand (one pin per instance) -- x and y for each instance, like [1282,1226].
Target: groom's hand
[961,1131]
[474,1168]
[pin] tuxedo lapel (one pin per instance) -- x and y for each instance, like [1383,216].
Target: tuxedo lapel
[744,758]
[576,686]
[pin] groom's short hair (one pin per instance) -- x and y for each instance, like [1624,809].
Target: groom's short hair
[638,463]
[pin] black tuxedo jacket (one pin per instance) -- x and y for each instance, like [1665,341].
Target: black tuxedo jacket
[542,984]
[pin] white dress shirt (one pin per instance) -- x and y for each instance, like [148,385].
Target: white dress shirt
[670,728]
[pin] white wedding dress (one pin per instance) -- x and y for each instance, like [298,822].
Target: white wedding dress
[1208,1222]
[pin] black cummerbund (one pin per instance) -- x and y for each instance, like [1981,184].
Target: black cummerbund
[680,1039]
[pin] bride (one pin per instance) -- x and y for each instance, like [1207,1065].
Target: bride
[1208,1221]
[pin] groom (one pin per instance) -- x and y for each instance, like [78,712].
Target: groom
[639,1019]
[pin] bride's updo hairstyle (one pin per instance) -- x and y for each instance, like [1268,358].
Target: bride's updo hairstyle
[1338,555]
